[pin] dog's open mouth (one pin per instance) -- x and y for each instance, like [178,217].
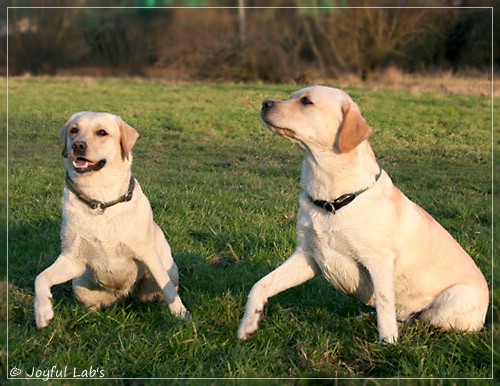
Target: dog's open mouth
[83,165]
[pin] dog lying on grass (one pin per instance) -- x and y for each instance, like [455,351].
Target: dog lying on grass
[111,247]
[357,229]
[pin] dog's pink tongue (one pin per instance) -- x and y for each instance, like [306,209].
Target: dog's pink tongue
[80,163]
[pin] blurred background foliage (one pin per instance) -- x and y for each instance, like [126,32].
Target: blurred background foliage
[239,42]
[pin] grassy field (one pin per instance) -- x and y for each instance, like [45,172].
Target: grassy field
[224,190]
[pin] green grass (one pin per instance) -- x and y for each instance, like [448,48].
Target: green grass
[224,190]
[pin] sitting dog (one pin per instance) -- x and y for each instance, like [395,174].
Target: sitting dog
[357,229]
[111,247]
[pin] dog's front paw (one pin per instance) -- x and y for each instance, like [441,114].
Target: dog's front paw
[43,313]
[391,339]
[184,315]
[179,311]
[249,325]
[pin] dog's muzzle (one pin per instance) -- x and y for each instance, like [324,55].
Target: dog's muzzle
[79,148]
[82,164]
[266,106]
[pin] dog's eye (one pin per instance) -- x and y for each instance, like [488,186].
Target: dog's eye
[102,133]
[74,130]
[305,101]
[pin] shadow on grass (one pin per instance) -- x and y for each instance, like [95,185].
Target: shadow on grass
[215,290]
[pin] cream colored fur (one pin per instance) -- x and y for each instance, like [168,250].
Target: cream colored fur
[115,254]
[382,248]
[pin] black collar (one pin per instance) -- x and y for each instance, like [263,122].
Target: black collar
[99,205]
[333,206]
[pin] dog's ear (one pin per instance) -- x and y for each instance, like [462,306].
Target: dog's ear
[353,129]
[63,133]
[128,136]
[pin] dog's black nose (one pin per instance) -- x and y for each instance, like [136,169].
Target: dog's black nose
[79,147]
[266,105]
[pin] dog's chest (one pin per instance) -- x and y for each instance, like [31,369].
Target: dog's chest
[324,232]
[103,246]
[332,242]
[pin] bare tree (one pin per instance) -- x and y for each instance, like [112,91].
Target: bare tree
[249,44]
[363,39]
[43,40]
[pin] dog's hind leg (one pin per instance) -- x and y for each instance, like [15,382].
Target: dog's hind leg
[146,289]
[461,307]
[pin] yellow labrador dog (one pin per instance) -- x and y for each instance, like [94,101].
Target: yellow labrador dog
[357,229]
[111,247]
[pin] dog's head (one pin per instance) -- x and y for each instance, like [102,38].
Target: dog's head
[318,117]
[93,141]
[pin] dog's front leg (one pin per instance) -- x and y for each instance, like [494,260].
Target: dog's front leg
[297,269]
[155,266]
[385,302]
[64,269]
